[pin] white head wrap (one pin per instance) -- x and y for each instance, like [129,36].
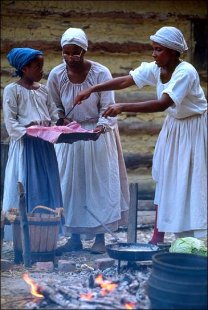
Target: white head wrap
[171,38]
[75,36]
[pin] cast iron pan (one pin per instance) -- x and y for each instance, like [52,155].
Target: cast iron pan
[77,136]
[132,251]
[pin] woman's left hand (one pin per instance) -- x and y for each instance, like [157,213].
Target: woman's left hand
[99,129]
[45,123]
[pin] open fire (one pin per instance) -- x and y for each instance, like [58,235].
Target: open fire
[33,284]
[104,293]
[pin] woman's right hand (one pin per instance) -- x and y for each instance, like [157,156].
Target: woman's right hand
[82,96]
[113,110]
[31,124]
[63,121]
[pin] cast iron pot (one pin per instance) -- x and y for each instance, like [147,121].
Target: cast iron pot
[178,281]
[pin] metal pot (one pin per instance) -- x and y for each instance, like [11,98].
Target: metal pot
[178,281]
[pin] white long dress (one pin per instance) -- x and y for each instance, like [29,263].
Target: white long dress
[180,157]
[92,173]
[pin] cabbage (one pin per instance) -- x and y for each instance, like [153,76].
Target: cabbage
[189,245]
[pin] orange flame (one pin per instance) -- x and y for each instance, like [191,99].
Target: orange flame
[87,296]
[129,305]
[107,286]
[34,286]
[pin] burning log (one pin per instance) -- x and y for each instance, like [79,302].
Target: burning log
[48,292]
[106,294]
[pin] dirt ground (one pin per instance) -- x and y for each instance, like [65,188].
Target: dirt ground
[15,292]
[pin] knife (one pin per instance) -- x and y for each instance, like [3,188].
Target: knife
[60,121]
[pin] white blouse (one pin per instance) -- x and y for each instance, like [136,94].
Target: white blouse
[64,93]
[183,88]
[22,106]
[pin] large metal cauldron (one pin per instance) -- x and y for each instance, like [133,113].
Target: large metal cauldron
[178,281]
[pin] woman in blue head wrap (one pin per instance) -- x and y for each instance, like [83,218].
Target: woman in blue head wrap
[31,161]
[20,57]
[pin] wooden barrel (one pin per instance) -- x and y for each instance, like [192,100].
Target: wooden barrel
[43,231]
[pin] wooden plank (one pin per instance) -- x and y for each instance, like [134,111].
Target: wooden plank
[4,157]
[24,227]
[132,220]
[50,233]
[43,232]
[145,218]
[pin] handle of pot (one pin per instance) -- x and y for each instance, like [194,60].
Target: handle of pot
[44,208]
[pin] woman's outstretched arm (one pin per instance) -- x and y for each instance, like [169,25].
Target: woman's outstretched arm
[150,106]
[114,84]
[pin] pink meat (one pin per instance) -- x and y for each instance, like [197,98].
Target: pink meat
[52,133]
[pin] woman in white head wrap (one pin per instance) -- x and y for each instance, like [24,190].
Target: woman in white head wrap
[180,157]
[92,173]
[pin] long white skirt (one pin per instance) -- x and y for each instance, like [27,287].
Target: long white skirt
[93,174]
[180,173]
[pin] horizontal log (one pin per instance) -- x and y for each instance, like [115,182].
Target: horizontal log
[125,47]
[136,160]
[145,194]
[135,96]
[132,161]
[146,205]
[136,127]
[93,11]
[145,218]
[126,126]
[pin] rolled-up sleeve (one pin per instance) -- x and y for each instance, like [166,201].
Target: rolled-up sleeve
[179,86]
[145,74]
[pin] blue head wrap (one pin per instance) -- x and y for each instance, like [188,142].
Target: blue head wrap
[19,57]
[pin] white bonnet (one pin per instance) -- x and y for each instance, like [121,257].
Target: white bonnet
[75,36]
[170,37]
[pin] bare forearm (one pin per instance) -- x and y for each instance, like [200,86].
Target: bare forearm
[143,107]
[114,84]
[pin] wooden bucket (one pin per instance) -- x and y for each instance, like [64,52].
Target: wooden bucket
[43,231]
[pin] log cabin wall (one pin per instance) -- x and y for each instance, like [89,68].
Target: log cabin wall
[118,33]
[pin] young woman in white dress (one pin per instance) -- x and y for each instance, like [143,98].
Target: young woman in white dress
[180,157]
[31,161]
[92,173]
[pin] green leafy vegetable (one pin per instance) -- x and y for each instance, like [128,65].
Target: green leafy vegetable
[189,245]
